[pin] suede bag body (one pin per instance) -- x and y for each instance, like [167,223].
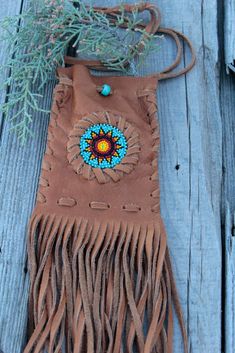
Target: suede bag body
[100,272]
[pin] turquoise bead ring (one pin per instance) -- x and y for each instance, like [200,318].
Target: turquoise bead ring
[103,146]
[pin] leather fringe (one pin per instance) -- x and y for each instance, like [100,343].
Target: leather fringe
[100,287]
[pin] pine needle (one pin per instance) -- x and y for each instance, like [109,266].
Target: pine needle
[38,40]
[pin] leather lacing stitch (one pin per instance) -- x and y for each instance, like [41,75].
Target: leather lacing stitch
[131,208]
[66,201]
[149,99]
[105,206]
[61,94]
[43,182]
[98,205]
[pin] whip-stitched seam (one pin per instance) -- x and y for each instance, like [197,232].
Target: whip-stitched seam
[61,94]
[148,98]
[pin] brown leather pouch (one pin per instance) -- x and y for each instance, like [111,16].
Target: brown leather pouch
[100,272]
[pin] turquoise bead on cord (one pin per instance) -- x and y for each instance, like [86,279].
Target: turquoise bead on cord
[106,90]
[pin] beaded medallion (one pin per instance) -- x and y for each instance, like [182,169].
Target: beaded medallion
[103,146]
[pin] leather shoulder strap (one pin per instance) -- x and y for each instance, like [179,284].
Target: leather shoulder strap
[168,71]
[153,27]
[113,13]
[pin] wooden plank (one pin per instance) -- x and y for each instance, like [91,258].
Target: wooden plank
[190,125]
[20,167]
[229,282]
[227,98]
[13,295]
[229,34]
[191,139]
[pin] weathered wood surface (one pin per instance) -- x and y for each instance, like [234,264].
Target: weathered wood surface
[229,34]
[227,98]
[229,303]
[190,176]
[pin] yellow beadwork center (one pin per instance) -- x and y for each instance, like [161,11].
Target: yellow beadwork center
[103,146]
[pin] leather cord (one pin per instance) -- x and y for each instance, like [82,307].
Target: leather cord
[113,13]
[155,18]
[167,72]
[153,27]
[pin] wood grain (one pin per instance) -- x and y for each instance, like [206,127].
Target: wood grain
[227,99]
[20,168]
[190,176]
[229,282]
[191,139]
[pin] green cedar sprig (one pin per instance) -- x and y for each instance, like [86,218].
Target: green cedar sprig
[38,40]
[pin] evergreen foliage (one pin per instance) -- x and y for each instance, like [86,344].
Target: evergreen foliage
[39,39]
